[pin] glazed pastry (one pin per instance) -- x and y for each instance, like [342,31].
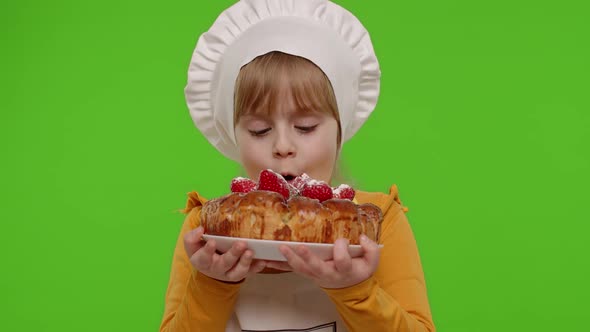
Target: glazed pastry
[304,210]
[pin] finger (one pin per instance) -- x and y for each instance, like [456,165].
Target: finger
[315,264]
[231,257]
[302,260]
[193,241]
[257,266]
[342,259]
[371,250]
[203,258]
[283,266]
[292,258]
[241,269]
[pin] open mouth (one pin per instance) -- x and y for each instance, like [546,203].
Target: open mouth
[289,177]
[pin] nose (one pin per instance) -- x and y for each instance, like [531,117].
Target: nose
[283,146]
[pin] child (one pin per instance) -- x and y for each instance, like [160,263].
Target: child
[281,84]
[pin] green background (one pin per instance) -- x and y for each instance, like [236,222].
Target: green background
[483,123]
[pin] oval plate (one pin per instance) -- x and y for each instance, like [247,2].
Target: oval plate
[269,250]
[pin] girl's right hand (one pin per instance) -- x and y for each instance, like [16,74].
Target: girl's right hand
[232,266]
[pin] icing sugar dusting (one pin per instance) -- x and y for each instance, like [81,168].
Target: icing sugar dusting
[314,182]
[339,189]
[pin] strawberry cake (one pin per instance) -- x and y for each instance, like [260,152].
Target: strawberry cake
[304,210]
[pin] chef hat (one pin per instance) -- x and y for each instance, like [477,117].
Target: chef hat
[318,30]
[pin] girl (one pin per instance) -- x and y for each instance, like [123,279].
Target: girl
[281,84]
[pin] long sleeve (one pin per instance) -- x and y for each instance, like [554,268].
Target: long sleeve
[395,298]
[195,302]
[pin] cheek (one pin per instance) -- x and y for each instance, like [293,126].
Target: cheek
[324,152]
[250,157]
[329,140]
[323,149]
[247,153]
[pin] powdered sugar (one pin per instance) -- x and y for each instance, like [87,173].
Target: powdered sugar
[338,190]
[314,182]
[302,185]
[300,181]
[344,191]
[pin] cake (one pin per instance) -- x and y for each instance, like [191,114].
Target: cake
[304,210]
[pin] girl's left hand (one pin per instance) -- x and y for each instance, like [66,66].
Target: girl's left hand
[340,272]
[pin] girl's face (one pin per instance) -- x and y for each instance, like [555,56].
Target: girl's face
[289,141]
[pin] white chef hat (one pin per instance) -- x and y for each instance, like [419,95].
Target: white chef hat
[318,30]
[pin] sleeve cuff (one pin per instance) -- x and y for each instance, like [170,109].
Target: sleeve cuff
[214,286]
[356,292]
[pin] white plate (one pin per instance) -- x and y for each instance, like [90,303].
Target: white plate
[269,250]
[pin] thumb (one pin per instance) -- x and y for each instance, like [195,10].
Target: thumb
[193,241]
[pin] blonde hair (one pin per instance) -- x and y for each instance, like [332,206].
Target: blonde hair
[260,83]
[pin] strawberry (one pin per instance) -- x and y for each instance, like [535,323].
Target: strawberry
[318,190]
[300,181]
[344,191]
[293,191]
[242,185]
[271,181]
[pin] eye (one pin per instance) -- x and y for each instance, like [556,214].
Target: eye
[259,133]
[306,129]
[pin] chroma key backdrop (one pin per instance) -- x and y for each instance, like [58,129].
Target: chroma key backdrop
[483,123]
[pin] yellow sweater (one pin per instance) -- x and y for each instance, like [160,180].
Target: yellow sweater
[394,299]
